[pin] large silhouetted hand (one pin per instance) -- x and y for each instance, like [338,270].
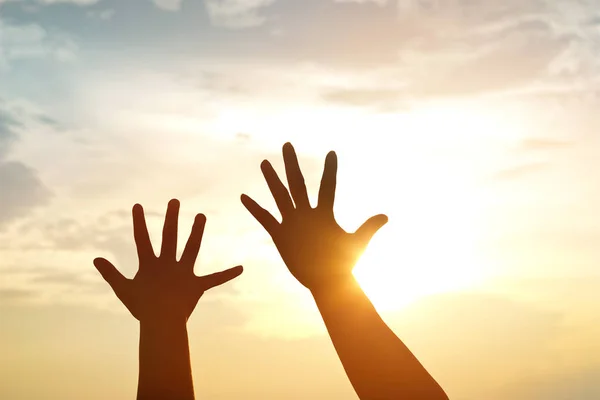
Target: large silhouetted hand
[316,250]
[162,296]
[321,255]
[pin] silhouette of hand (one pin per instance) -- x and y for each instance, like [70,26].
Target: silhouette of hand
[316,250]
[163,288]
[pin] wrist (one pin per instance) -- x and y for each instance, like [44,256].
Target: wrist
[163,325]
[335,288]
[163,344]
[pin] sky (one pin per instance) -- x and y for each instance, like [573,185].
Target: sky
[473,124]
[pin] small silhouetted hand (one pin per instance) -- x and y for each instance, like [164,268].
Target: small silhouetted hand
[163,288]
[162,296]
[316,250]
[321,255]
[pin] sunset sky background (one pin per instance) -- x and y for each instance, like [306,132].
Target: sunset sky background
[473,124]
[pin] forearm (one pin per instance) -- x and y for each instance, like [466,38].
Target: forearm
[165,368]
[376,361]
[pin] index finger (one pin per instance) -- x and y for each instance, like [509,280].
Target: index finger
[140,234]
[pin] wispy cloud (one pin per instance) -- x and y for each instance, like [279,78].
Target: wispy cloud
[519,171]
[31,41]
[237,13]
[169,5]
[9,296]
[21,188]
[533,144]
[378,99]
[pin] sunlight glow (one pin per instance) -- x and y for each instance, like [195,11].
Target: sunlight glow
[437,216]
[395,272]
[437,213]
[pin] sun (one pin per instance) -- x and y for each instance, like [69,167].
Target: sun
[395,271]
[425,174]
[432,243]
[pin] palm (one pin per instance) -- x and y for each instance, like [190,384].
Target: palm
[316,250]
[163,288]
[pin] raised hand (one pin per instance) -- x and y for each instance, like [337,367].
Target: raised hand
[321,255]
[163,288]
[316,250]
[162,296]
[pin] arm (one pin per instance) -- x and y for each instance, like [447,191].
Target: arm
[165,369]
[378,364]
[321,255]
[162,296]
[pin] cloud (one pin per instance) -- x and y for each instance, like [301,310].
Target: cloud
[445,49]
[532,149]
[26,283]
[519,171]
[169,5]
[20,186]
[78,2]
[32,41]
[485,57]
[109,235]
[347,35]
[379,99]
[59,277]
[502,68]
[8,123]
[21,190]
[236,14]
[580,384]
[534,144]
[10,296]
[104,15]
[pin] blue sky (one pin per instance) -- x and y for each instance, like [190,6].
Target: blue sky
[473,124]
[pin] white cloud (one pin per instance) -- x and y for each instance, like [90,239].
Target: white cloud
[236,13]
[380,2]
[18,42]
[22,189]
[101,14]
[169,5]
[80,2]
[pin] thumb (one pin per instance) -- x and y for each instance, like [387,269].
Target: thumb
[219,278]
[110,274]
[365,233]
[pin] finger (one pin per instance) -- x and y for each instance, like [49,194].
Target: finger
[192,247]
[110,274]
[278,190]
[140,234]
[294,177]
[169,240]
[219,278]
[366,232]
[328,182]
[264,217]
